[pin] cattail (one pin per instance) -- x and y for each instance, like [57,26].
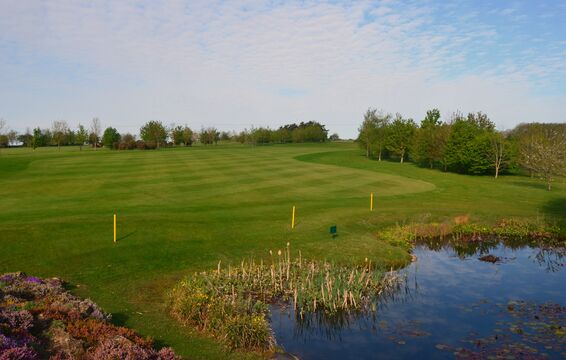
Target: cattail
[353,300]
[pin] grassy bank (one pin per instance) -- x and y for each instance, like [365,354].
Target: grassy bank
[182,210]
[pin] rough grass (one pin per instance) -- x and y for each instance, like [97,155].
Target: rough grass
[181,210]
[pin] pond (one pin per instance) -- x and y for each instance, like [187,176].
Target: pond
[452,305]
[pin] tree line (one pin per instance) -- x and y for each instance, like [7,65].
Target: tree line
[465,144]
[154,134]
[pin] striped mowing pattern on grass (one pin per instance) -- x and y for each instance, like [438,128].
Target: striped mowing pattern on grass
[184,209]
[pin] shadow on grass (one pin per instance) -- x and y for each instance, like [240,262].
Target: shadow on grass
[556,209]
[530,184]
[126,236]
[119,319]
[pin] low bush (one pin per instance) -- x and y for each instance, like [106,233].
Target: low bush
[39,319]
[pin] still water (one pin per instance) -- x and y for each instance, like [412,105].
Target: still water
[452,305]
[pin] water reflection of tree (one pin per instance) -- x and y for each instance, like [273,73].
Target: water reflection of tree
[551,258]
[548,255]
[331,326]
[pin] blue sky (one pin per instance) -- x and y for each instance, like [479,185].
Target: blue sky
[234,65]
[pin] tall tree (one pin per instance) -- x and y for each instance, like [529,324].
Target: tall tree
[177,135]
[382,127]
[368,131]
[3,137]
[372,134]
[182,135]
[499,151]
[400,137]
[468,149]
[82,136]
[209,136]
[58,131]
[154,131]
[187,136]
[36,138]
[95,129]
[110,138]
[429,143]
[542,150]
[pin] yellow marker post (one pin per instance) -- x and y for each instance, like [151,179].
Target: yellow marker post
[293,219]
[371,202]
[114,226]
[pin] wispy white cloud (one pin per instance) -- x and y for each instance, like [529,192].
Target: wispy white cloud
[233,64]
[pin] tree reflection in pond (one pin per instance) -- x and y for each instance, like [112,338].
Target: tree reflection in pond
[452,304]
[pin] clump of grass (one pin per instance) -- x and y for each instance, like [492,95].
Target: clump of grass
[405,235]
[511,228]
[460,228]
[231,302]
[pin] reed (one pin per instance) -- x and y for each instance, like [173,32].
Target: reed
[212,300]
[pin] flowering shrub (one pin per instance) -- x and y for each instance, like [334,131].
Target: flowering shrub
[18,353]
[39,319]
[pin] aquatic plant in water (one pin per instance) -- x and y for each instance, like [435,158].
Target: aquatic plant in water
[230,302]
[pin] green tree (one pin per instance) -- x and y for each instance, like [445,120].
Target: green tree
[3,137]
[400,136]
[70,137]
[58,131]
[182,135]
[110,138]
[468,149]
[225,136]
[187,136]
[82,136]
[260,135]
[209,136]
[36,139]
[154,131]
[367,132]
[429,144]
[243,136]
[285,133]
[177,135]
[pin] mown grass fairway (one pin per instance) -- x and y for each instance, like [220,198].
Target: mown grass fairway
[184,209]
